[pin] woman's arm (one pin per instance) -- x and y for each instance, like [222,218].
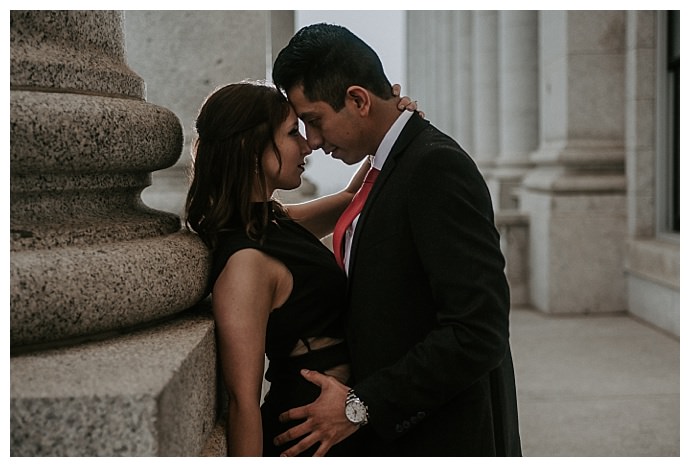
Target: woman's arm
[249,287]
[320,215]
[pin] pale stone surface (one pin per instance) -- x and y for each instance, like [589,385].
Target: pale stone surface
[641,124]
[576,193]
[485,87]
[85,189]
[420,61]
[596,96]
[591,32]
[652,265]
[461,123]
[89,261]
[76,50]
[603,385]
[186,55]
[68,292]
[518,105]
[513,227]
[653,280]
[90,133]
[217,443]
[146,393]
[622,427]
[444,60]
[656,260]
[575,241]
[654,303]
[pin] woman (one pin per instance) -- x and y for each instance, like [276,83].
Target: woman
[277,290]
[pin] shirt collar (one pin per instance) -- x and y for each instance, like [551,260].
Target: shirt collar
[391,136]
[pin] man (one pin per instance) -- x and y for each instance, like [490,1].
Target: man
[427,325]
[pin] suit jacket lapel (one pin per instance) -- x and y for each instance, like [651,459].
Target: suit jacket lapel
[415,125]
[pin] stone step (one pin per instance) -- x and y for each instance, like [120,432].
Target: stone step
[151,392]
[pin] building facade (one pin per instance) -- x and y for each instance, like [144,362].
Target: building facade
[573,118]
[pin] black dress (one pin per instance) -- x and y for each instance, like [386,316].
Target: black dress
[315,308]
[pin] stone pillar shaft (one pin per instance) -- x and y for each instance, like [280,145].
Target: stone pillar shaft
[460,92]
[440,70]
[485,82]
[575,195]
[518,103]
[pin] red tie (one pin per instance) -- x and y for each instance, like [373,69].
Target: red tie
[352,211]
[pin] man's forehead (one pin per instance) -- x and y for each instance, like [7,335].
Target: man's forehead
[296,93]
[301,103]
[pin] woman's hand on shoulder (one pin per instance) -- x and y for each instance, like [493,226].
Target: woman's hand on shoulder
[406,102]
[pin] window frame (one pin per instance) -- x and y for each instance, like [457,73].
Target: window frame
[668,135]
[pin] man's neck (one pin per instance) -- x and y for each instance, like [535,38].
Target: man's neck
[383,115]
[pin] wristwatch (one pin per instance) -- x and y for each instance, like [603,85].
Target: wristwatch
[355,410]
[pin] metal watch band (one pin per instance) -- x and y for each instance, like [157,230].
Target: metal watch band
[353,399]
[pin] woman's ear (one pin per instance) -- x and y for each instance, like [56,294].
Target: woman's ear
[359,98]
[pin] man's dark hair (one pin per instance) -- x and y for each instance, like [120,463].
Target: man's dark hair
[326,59]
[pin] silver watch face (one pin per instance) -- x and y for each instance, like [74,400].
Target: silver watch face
[356,412]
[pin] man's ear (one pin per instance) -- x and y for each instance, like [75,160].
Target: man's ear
[360,98]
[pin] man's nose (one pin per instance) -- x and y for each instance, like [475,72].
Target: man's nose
[314,139]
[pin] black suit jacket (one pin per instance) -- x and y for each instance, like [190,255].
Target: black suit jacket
[428,320]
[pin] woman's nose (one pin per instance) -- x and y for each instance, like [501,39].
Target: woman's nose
[306,149]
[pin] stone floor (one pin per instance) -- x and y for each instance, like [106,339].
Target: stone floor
[596,386]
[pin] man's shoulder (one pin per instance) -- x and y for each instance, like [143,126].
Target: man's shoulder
[433,140]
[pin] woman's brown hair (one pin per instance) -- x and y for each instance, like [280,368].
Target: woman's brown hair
[236,123]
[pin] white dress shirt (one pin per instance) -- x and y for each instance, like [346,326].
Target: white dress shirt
[377,162]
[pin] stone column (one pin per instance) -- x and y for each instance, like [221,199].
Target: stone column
[485,83]
[420,61]
[439,70]
[575,196]
[518,103]
[91,266]
[459,95]
[504,71]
